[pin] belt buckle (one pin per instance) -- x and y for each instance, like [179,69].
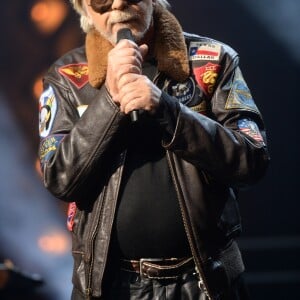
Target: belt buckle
[142,260]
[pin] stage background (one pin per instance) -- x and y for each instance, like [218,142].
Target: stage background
[265,34]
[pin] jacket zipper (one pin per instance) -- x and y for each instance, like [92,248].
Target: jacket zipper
[197,259]
[90,253]
[89,289]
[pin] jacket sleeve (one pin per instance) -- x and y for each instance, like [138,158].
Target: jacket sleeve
[73,149]
[230,144]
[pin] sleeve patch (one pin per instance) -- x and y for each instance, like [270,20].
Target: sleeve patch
[47,111]
[240,96]
[71,215]
[48,147]
[250,129]
[78,74]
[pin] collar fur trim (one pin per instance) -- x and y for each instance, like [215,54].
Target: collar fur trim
[169,49]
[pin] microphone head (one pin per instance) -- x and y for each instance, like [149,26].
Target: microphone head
[124,33]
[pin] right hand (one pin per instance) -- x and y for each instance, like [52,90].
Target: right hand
[125,58]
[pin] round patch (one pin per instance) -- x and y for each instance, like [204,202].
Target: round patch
[48,107]
[183,91]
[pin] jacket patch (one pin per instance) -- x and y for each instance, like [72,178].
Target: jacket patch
[47,111]
[183,91]
[240,96]
[204,51]
[71,215]
[78,74]
[206,76]
[200,108]
[250,129]
[48,147]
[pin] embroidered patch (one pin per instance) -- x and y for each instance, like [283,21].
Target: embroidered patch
[204,51]
[47,111]
[71,215]
[81,109]
[48,147]
[240,96]
[250,129]
[206,76]
[200,108]
[78,74]
[183,91]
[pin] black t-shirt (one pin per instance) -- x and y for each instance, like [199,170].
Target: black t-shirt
[148,220]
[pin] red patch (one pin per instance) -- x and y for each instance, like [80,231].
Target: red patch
[71,215]
[78,74]
[206,77]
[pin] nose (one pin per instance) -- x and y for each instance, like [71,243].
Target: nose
[119,4]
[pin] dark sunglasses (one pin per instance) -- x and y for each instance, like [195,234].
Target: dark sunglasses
[103,6]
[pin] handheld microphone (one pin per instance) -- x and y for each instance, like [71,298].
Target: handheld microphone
[125,33]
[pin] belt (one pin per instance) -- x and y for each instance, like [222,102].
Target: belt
[154,268]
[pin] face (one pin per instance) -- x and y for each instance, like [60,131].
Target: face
[117,14]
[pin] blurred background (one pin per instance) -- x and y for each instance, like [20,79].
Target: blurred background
[34,242]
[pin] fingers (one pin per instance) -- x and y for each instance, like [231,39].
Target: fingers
[125,58]
[138,93]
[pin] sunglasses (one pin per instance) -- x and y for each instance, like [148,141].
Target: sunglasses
[103,6]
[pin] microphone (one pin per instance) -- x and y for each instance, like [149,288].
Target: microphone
[125,33]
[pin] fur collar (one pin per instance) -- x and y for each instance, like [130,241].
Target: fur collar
[169,49]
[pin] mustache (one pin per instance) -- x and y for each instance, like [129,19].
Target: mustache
[122,16]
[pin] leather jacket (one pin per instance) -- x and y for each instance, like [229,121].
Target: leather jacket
[217,145]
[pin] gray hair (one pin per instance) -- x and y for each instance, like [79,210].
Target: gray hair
[85,22]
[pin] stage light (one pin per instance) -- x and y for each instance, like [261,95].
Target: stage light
[48,15]
[56,242]
[37,88]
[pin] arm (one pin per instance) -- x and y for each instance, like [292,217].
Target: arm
[230,146]
[74,150]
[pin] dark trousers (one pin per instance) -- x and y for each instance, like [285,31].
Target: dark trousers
[130,286]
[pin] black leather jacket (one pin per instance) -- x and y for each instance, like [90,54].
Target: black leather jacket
[217,145]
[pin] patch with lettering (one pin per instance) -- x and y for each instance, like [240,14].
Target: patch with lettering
[78,74]
[204,51]
[183,91]
[48,147]
[250,129]
[47,111]
[206,76]
[240,96]
[71,215]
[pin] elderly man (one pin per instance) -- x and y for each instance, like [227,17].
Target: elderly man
[149,133]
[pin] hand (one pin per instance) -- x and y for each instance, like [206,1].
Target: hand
[137,92]
[126,57]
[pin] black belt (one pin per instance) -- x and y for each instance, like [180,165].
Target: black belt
[158,268]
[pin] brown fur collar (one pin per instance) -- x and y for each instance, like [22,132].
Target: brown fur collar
[169,49]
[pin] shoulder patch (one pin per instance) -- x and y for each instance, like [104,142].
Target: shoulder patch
[206,76]
[47,111]
[240,96]
[204,51]
[78,74]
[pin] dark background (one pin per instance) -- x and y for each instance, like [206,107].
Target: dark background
[266,38]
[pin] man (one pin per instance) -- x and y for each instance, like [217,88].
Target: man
[153,209]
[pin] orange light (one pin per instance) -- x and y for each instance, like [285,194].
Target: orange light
[48,15]
[56,242]
[38,168]
[37,88]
